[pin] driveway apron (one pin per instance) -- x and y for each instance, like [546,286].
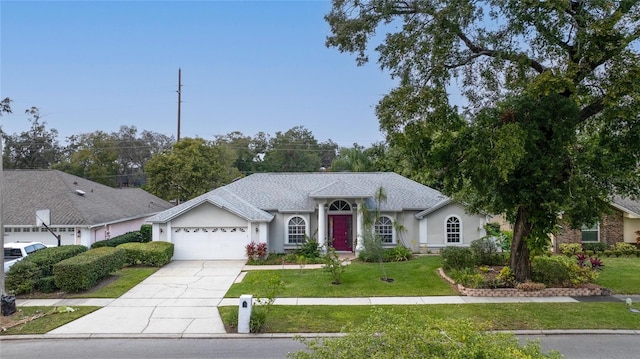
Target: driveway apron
[180,298]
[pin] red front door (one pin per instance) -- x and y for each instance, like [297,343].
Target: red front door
[340,232]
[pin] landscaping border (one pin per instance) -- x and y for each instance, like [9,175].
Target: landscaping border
[513,292]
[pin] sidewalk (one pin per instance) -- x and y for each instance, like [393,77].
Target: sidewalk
[328,301]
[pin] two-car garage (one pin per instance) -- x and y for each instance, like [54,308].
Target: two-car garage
[209,243]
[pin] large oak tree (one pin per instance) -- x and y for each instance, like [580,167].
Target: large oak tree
[548,118]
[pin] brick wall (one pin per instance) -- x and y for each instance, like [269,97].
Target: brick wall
[611,230]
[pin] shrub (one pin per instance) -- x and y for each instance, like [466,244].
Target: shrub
[146,233]
[485,252]
[261,250]
[457,258]
[250,250]
[45,259]
[506,276]
[309,248]
[87,269]
[398,253]
[560,271]
[626,249]
[389,334]
[134,252]
[607,253]
[22,277]
[467,277]
[47,284]
[333,265]
[155,254]
[596,247]
[570,249]
[158,253]
[28,277]
[118,240]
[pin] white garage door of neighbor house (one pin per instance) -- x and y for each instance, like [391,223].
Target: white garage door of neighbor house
[209,243]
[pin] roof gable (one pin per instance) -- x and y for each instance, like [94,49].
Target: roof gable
[72,200]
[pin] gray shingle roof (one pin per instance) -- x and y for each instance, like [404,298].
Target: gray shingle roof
[26,191]
[251,196]
[628,204]
[222,198]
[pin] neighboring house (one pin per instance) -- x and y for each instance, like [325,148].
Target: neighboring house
[81,211]
[282,209]
[619,225]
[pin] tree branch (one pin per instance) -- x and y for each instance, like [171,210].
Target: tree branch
[481,51]
[591,109]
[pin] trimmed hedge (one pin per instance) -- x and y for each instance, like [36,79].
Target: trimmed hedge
[30,273]
[45,259]
[154,254]
[145,231]
[85,270]
[121,239]
[22,277]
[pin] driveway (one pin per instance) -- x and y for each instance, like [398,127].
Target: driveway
[180,298]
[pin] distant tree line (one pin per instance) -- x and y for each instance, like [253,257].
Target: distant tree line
[191,167]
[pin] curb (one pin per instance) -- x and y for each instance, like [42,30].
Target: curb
[293,335]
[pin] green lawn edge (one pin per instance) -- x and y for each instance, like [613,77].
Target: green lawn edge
[54,317]
[503,316]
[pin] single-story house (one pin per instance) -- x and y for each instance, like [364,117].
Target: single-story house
[282,209]
[619,225]
[81,211]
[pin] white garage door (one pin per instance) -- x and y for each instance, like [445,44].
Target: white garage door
[209,243]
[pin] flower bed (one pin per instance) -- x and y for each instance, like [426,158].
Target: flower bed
[583,291]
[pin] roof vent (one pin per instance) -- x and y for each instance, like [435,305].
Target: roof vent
[80,192]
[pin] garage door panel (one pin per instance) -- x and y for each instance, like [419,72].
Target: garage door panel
[209,244]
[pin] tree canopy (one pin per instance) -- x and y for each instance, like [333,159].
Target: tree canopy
[192,167]
[549,118]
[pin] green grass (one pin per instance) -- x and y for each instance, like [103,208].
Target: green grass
[504,316]
[622,275]
[54,318]
[417,277]
[119,283]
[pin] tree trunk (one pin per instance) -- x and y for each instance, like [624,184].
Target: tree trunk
[520,261]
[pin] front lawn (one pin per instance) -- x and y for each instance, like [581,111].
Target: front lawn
[503,316]
[417,277]
[40,320]
[622,275]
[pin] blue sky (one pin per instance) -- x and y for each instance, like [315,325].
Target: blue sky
[247,66]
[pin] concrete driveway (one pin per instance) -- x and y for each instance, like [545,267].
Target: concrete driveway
[180,298]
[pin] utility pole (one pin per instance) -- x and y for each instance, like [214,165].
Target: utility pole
[179,99]
[2,291]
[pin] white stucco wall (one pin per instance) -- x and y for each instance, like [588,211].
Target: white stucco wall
[472,227]
[631,225]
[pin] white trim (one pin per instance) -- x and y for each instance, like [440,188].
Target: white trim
[393,230]
[589,230]
[446,232]
[286,228]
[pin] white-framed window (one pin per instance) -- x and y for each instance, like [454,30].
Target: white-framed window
[339,206]
[591,234]
[453,229]
[384,228]
[296,230]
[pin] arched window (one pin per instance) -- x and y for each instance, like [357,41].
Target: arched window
[384,228]
[296,230]
[340,205]
[453,228]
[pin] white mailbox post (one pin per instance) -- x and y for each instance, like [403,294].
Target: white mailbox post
[244,313]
